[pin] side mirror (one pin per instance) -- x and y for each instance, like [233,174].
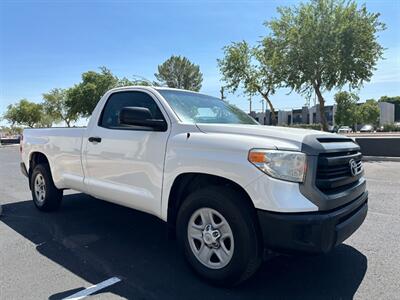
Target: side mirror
[140,116]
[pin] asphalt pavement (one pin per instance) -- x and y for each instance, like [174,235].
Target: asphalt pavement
[55,255]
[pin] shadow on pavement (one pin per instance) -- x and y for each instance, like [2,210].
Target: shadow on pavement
[97,240]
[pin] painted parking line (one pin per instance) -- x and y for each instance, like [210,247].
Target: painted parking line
[93,289]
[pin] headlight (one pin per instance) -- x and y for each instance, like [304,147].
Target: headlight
[285,165]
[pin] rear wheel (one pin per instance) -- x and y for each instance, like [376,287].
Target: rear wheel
[219,235]
[45,195]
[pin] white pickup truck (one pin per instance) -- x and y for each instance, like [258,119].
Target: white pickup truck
[229,188]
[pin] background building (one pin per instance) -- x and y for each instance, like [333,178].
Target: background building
[311,115]
[386,115]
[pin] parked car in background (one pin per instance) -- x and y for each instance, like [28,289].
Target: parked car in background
[9,140]
[345,129]
[332,128]
[367,128]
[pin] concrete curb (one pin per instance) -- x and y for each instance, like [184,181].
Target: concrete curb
[380,158]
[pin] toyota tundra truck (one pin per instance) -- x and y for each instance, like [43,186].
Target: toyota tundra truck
[229,189]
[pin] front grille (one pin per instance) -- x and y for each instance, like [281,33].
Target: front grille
[334,172]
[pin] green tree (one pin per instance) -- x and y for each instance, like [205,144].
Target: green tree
[13,130]
[249,68]
[56,107]
[347,112]
[11,115]
[325,44]
[395,99]
[46,120]
[179,72]
[369,112]
[83,97]
[24,113]
[137,80]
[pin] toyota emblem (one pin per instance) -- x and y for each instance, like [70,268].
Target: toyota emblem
[355,169]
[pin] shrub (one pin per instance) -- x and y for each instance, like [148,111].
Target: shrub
[306,126]
[391,127]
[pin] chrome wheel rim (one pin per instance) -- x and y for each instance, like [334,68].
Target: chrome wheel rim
[210,238]
[40,188]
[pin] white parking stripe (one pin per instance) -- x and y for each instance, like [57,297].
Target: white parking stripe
[93,289]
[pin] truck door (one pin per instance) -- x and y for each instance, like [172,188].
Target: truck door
[125,164]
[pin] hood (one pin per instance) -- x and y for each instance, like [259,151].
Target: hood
[306,140]
[276,132]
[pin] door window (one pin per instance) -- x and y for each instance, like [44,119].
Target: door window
[110,116]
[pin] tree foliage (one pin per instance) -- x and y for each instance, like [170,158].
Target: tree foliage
[82,98]
[395,99]
[46,120]
[11,115]
[349,113]
[56,107]
[346,108]
[249,68]
[324,44]
[12,130]
[69,105]
[137,80]
[179,72]
[24,113]
[369,112]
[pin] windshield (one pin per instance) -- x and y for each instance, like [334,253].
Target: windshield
[197,108]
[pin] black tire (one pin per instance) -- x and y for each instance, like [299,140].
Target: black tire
[241,217]
[51,200]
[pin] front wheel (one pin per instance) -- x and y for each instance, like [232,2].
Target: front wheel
[219,234]
[45,195]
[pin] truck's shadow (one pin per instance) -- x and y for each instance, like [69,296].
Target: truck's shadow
[96,240]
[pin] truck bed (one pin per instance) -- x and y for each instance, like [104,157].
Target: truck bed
[60,145]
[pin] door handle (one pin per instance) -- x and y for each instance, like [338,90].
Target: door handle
[94,139]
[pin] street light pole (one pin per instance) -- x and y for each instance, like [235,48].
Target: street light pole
[222,90]
[250,104]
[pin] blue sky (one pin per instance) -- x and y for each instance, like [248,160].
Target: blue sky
[48,44]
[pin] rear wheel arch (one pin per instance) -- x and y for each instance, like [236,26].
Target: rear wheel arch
[36,158]
[45,194]
[186,183]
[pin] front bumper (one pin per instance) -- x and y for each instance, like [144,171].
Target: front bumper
[312,232]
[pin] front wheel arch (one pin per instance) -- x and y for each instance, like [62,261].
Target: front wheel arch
[187,183]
